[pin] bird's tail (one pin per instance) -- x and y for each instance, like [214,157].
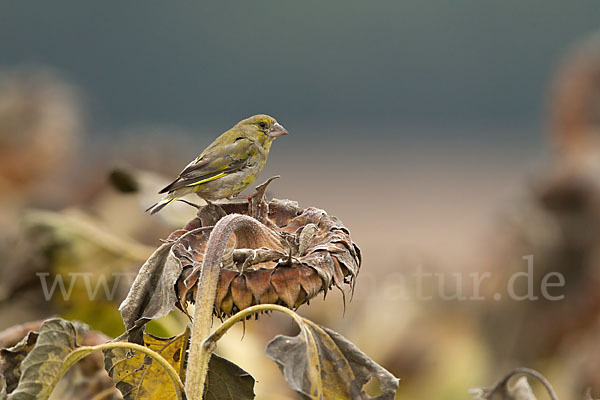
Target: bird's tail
[156,207]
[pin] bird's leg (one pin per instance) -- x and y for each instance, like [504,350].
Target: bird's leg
[215,209]
[210,205]
[190,203]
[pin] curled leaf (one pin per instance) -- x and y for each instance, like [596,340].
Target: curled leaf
[321,364]
[151,294]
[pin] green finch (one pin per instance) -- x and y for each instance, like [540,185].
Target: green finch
[229,165]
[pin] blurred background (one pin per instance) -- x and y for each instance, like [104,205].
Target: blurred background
[457,136]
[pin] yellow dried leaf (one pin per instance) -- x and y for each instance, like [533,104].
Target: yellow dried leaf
[138,377]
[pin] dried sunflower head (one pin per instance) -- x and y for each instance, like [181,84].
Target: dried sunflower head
[282,254]
[294,255]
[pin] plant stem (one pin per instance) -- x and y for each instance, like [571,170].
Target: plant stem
[225,326]
[246,228]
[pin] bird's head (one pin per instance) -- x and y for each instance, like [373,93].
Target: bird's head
[262,128]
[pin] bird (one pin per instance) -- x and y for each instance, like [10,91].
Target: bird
[229,165]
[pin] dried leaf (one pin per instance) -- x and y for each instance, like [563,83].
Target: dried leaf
[11,359]
[151,295]
[41,367]
[321,364]
[83,380]
[14,334]
[138,376]
[227,381]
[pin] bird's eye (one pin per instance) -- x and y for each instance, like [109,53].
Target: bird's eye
[262,124]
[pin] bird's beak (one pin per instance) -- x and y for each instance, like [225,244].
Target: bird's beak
[277,130]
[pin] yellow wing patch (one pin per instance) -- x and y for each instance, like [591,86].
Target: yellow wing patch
[212,178]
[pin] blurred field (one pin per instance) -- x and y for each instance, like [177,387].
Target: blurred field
[473,191]
[406,207]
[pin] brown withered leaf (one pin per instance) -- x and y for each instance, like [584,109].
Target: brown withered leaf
[295,255]
[321,364]
[84,380]
[12,357]
[151,295]
[14,334]
[36,363]
[39,369]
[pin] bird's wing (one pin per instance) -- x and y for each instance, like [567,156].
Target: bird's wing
[214,163]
